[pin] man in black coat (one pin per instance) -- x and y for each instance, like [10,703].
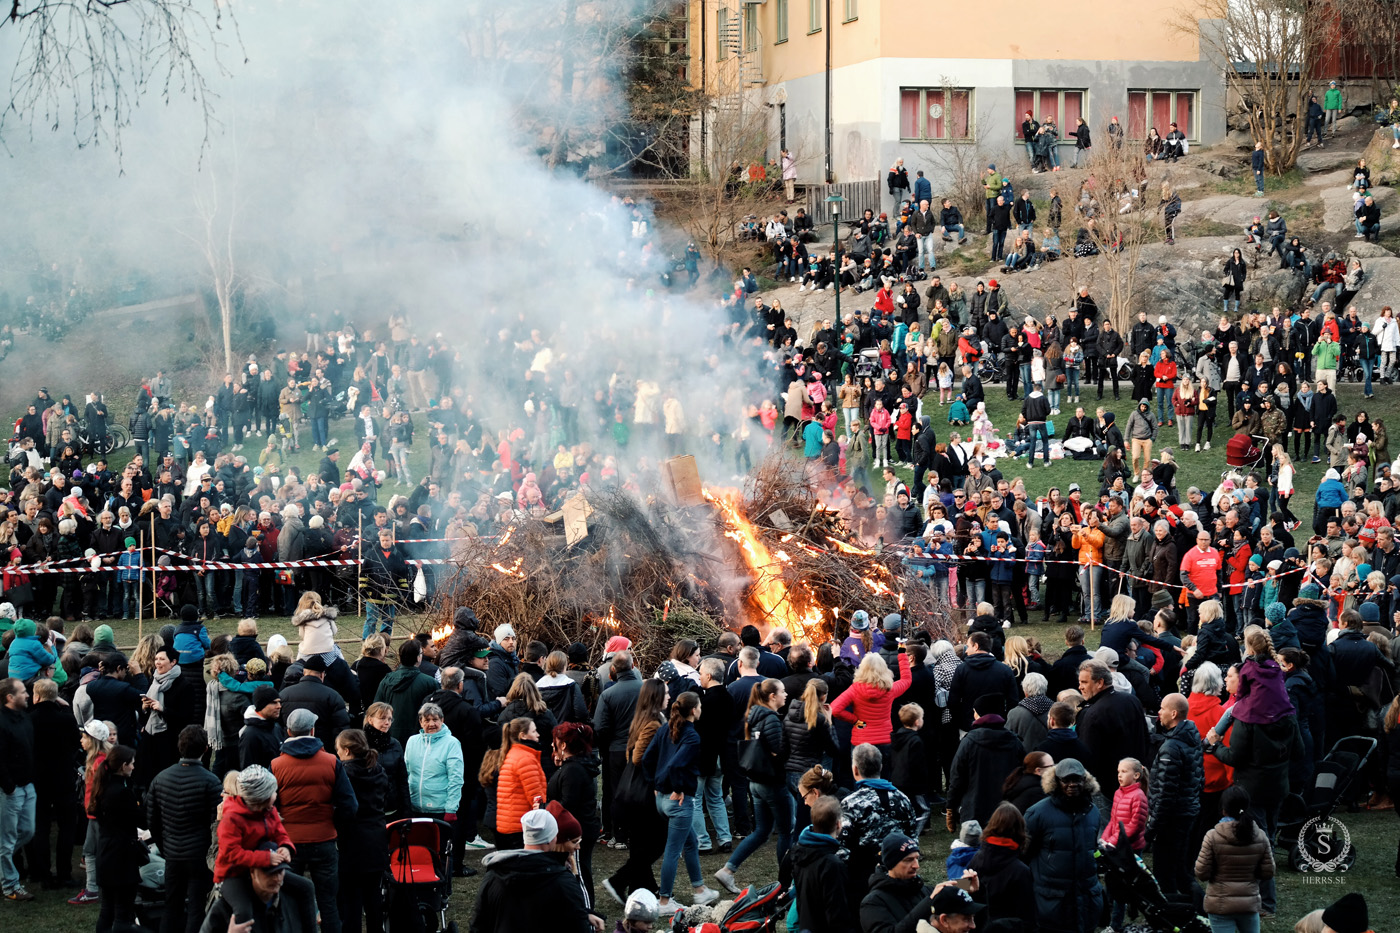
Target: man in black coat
[1113,725]
[180,805]
[612,720]
[1178,777]
[56,753]
[311,692]
[979,674]
[1064,673]
[260,741]
[464,721]
[899,899]
[113,699]
[985,756]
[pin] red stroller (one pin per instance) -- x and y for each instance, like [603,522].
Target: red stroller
[1248,452]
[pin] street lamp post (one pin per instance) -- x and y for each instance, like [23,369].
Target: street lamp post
[836,201]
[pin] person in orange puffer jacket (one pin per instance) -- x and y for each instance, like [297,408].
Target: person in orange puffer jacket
[519,781]
[1088,540]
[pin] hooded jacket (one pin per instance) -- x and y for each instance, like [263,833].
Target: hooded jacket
[575,785]
[332,716]
[405,689]
[1061,836]
[435,771]
[312,790]
[984,757]
[817,867]
[979,675]
[259,741]
[363,840]
[241,831]
[564,697]
[502,667]
[528,890]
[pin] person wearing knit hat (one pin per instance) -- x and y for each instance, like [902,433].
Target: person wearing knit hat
[1309,617]
[892,623]
[503,663]
[103,637]
[27,656]
[617,643]
[261,738]
[1347,915]
[570,832]
[532,888]
[256,784]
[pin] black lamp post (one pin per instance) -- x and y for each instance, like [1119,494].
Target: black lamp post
[836,201]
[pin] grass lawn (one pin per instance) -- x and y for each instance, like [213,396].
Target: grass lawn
[1202,469]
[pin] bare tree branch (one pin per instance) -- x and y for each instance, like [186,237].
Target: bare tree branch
[89,62]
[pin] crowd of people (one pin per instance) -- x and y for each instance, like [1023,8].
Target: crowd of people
[267,790]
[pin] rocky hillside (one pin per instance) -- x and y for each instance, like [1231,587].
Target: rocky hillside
[1182,281]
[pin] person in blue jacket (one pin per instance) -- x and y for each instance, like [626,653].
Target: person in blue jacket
[435,765]
[191,637]
[27,655]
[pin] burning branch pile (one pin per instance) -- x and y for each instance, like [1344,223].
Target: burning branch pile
[770,555]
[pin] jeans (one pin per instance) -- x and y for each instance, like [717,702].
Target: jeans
[1091,588]
[974,590]
[1054,156]
[90,857]
[381,615]
[710,793]
[1053,397]
[320,431]
[1026,377]
[1030,151]
[927,259]
[320,862]
[998,244]
[131,599]
[1234,923]
[1033,587]
[680,840]
[948,231]
[773,811]
[187,885]
[399,453]
[16,829]
[1042,436]
[1259,181]
[939,581]
[1072,381]
[1164,404]
[206,587]
[1368,367]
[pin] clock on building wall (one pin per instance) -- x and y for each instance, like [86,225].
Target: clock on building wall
[935,111]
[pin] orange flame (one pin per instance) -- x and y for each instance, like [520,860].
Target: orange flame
[849,548]
[513,570]
[610,620]
[441,633]
[769,593]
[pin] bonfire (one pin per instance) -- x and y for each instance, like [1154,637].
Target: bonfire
[769,554]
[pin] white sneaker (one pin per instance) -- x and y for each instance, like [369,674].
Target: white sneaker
[481,845]
[1198,448]
[705,897]
[669,907]
[725,877]
[1395,145]
[801,288]
[1207,445]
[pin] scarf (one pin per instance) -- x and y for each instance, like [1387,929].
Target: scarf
[160,683]
[1039,704]
[213,723]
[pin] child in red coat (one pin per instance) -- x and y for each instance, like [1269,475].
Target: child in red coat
[1127,822]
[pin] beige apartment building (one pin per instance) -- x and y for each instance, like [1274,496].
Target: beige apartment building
[850,85]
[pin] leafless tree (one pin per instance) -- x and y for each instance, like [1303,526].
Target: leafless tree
[89,62]
[216,210]
[1269,50]
[1120,223]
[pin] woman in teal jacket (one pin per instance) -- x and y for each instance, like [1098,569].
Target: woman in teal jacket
[434,760]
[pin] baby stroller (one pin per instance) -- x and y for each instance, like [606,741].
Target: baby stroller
[419,880]
[1332,785]
[755,910]
[1127,879]
[868,364]
[1248,452]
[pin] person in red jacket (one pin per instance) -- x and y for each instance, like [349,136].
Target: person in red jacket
[1200,571]
[1127,821]
[904,434]
[884,299]
[866,703]
[1164,372]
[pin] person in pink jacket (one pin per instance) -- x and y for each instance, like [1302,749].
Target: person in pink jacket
[1127,822]
[867,702]
[880,421]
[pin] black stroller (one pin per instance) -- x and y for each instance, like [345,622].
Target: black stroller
[1304,820]
[419,880]
[1128,880]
